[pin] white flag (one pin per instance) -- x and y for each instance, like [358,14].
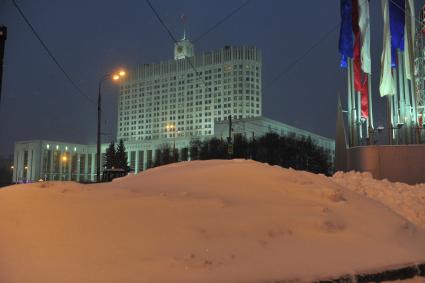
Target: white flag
[387,83]
[364,25]
[409,34]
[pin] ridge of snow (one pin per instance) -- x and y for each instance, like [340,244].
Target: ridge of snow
[199,221]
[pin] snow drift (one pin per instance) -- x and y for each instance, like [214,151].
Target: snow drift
[200,221]
[407,200]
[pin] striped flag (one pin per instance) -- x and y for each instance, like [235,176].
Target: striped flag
[360,83]
[409,33]
[364,24]
[387,83]
[345,45]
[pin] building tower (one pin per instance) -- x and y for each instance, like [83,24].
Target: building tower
[183,48]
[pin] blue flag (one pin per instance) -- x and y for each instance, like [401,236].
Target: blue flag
[397,18]
[346,33]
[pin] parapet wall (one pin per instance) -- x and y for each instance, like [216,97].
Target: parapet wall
[397,163]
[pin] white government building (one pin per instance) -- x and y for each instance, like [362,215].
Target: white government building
[168,102]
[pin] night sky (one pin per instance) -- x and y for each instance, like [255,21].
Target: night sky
[92,38]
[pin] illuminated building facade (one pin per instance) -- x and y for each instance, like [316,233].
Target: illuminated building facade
[170,103]
[190,94]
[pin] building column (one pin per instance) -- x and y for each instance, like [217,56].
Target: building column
[144,160]
[70,167]
[40,163]
[78,167]
[145,156]
[51,167]
[29,165]
[93,169]
[86,166]
[101,161]
[129,158]
[21,167]
[60,166]
[136,163]
[15,165]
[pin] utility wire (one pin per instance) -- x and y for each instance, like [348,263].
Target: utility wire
[51,54]
[305,54]
[404,11]
[173,38]
[221,21]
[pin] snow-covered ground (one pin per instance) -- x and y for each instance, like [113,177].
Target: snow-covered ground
[407,200]
[201,221]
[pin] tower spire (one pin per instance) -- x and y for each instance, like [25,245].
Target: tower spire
[183,18]
[183,48]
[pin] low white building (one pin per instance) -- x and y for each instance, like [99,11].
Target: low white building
[52,160]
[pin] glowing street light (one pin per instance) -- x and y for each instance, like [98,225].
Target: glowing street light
[172,127]
[115,77]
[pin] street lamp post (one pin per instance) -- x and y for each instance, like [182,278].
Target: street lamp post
[115,77]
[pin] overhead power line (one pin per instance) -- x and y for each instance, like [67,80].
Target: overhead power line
[305,54]
[221,21]
[172,37]
[51,54]
[404,11]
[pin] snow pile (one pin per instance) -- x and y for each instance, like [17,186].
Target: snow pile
[200,221]
[407,200]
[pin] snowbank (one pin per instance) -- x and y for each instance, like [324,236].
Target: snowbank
[200,221]
[407,200]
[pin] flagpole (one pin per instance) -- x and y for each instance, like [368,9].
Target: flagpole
[353,105]
[407,106]
[370,119]
[359,117]
[410,29]
[401,102]
[390,118]
[396,108]
[349,106]
[415,110]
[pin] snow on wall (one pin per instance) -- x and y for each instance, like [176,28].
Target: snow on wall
[199,221]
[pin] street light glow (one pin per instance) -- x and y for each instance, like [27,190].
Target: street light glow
[122,73]
[115,77]
[64,158]
[169,126]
